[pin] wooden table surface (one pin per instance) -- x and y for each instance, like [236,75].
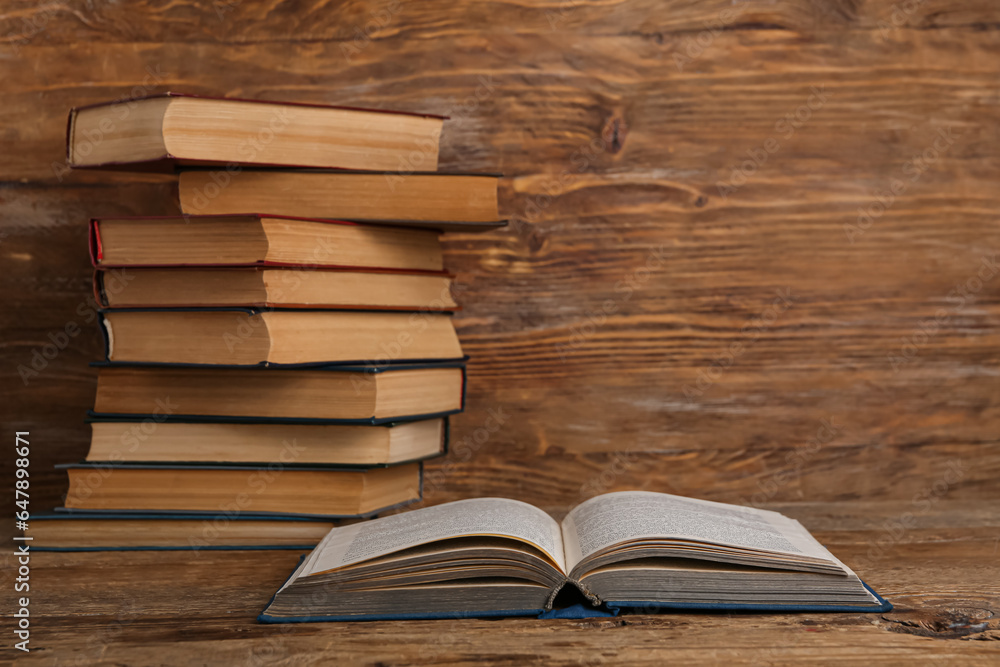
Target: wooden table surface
[752,259]
[199,608]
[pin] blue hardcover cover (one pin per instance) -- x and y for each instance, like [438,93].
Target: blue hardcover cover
[260,515]
[645,607]
[234,419]
[575,611]
[265,618]
[402,616]
[218,465]
[356,367]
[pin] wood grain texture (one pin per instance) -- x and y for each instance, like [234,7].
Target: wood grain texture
[200,608]
[821,336]
[249,22]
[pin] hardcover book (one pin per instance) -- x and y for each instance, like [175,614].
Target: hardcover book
[248,443]
[250,337]
[74,530]
[633,549]
[260,287]
[265,240]
[328,394]
[424,199]
[168,130]
[280,487]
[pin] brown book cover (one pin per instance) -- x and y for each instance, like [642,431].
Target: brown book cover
[170,163]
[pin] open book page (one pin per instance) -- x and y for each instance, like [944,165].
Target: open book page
[797,534]
[613,518]
[479,516]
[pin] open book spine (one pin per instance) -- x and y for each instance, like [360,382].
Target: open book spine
[586,592]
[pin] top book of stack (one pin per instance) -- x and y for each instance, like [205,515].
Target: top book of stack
[292,160]
[170,130]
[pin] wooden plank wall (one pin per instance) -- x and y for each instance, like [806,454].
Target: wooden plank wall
[753,251]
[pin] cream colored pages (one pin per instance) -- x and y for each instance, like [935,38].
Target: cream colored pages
[480,516]
[797,534]
[613,518]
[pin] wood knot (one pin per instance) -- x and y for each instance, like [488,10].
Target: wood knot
[613,133]
[701,201]
[943,623]
[536,241]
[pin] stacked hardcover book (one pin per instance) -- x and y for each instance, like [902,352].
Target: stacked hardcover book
[281,354]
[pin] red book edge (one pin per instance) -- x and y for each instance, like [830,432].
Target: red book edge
[94,243]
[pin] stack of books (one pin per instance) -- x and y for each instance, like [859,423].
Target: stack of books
[281,355]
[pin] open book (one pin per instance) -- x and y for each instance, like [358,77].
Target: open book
[499,557]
